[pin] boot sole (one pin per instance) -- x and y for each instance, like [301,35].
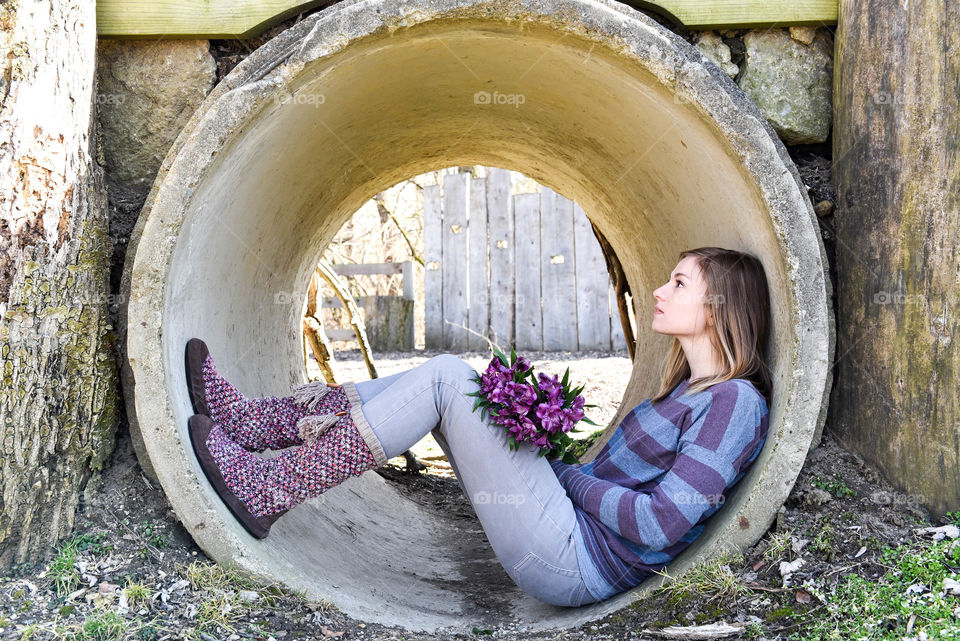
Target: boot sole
[258,526]
[194,355]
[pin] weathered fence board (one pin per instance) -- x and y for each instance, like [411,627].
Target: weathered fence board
[592,283]
[527,270]
[432,259]
[454,265]
[478,311]
[500,217]
[558,279]
[529,330]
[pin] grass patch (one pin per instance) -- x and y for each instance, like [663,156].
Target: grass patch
[138,595]
[778,547]
[150,531]
[835,486]
[107,625]
[213,576]
[62,572]
[94,542]
[218,612]
[907,595]
[715,578]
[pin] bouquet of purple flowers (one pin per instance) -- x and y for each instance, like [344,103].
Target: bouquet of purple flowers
[534,408]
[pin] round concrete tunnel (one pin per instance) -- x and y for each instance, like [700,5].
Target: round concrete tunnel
[590,98]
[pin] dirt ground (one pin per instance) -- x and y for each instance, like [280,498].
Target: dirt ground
[838,517]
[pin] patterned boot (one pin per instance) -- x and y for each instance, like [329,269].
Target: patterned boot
[258,424]
[258,490]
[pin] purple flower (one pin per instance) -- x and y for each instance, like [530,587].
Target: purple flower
[550,415]
[521,365]
[542,441]
[493,390]
[520,397]
[550,386]
[532,408]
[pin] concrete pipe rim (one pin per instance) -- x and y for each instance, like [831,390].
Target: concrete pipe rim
[705,166]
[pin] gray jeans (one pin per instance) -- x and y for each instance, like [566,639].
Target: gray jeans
[525,512]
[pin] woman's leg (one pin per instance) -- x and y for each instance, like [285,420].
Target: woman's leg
[369,389]
[525,512]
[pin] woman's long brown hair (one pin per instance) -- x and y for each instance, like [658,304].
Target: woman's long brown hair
[739,301]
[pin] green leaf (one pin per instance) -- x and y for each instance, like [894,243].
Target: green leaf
[566,376]
[587,420]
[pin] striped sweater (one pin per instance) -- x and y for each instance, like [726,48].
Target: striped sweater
[664,471]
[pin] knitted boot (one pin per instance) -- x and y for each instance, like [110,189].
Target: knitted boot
[258,490]
[269,422]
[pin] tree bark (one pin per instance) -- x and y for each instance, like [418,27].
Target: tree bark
[896,143]
[621,287]
[59,400]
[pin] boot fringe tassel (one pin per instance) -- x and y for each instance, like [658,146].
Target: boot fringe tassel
[311,428]
[309,394]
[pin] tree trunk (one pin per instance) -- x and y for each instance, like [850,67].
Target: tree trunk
[59,400]
[896,144]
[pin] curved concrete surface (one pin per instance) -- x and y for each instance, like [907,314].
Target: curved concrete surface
[662,151]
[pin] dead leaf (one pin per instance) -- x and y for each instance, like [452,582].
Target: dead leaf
[327,632]
[790,567]
[944,531]
[951,585]
[802,597]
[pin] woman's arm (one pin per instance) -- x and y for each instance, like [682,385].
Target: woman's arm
[710,455]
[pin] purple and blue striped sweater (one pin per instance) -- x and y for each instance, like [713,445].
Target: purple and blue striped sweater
[664,471]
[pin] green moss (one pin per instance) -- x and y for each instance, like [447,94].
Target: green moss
[780,613]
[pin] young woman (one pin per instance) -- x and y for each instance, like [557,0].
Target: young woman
[566,534]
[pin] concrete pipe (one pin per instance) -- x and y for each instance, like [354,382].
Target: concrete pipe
[589,97]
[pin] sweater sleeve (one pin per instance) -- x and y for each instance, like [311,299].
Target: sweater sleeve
[710,454]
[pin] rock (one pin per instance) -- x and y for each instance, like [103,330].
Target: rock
[107,588]
[248,596]
[712,46]
[817,497]
[803,34]
[791,83]
[146,92]
[823,208]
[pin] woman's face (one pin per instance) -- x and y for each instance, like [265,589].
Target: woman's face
[680,306]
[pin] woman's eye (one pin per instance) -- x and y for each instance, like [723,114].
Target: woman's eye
[679,282]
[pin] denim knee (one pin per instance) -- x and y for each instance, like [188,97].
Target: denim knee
[550,583]
[451,367]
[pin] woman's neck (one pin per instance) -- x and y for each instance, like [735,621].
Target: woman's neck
[703,359]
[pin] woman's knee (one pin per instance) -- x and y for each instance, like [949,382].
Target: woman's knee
[451,366]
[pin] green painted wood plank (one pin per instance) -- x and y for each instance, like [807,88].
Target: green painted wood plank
[739,14]
[193,19]
[249,18]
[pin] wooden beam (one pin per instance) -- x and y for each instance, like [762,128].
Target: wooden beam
[742,14]
[249,18]
[193,19]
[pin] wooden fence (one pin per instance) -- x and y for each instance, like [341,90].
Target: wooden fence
[522,269]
